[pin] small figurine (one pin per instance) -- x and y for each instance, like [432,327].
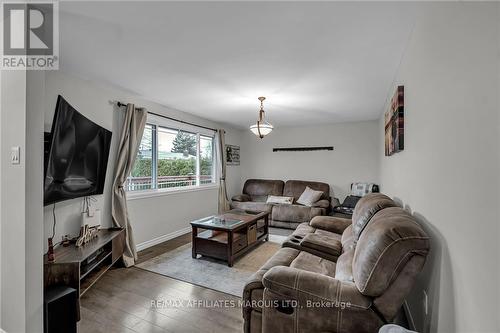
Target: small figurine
[87,234]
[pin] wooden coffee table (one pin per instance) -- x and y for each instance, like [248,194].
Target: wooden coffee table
[229,235]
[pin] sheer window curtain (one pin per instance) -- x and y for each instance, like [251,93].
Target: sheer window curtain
[131,135]
[223,203]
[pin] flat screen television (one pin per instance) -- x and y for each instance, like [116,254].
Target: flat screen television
[77,156]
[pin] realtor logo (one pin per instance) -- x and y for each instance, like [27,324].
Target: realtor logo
[30,38]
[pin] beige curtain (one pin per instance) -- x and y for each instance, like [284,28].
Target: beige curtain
[221,156]
[131,135]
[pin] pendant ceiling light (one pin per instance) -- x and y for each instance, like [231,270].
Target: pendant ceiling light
[262,127]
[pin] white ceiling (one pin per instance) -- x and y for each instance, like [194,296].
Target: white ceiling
[320,62]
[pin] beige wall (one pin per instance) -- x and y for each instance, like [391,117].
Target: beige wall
[151,217]
[447,175]
[355,156]
[35,96]
[498,111]
[21,229]
[13,250]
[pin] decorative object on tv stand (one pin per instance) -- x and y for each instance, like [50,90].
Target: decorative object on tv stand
[232,155]
[262,127]
[394,123]
[87,234]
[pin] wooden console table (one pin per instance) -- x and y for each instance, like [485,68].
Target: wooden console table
[81,267]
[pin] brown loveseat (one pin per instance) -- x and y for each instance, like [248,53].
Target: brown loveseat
[256,192]
[305,287]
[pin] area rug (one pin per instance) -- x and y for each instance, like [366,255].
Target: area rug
[212,273]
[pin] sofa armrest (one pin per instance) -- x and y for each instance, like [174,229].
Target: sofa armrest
[241,198]
[302,286]
[302,301]
[330,223]
[321,204]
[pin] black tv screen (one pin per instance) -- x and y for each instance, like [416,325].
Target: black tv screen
[78,156]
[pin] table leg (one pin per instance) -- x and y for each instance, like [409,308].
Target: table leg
[230,248]
[194,233]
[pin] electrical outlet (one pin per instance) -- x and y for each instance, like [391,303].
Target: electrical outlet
[426,303]
[15,155]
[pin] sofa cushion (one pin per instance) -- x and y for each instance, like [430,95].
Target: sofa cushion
[323,203]
[311,263]
[366,208]
[260,189]
[259,198]
[347,239]
[389,241]
[343,269]
[283,224]
[322,243]
[309,197]
[292,283]
[241,197]
[252,206]
[294,188]
[252,292]
[295,213]
[329,234]
[303,229]
[330,223]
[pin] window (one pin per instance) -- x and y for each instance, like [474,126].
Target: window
[141,177]
[171,157]
[206,160]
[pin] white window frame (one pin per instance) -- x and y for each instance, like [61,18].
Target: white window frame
[156,122]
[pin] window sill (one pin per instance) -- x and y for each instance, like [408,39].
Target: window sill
[135,195]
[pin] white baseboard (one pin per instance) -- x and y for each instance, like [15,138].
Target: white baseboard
[164,238]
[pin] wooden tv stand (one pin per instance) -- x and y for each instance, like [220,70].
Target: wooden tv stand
[81,267]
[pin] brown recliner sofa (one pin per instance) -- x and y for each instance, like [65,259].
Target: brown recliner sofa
[256,191]
[303,289]
[329,236]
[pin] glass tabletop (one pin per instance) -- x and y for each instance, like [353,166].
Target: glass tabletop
[238,211]
[217,221]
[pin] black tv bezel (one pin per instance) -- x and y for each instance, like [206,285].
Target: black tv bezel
[51,136]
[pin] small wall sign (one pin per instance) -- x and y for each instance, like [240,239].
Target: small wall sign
[232,155]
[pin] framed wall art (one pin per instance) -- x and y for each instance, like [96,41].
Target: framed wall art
[232,155]
[394,123]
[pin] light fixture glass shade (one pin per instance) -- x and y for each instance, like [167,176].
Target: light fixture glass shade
[264,128]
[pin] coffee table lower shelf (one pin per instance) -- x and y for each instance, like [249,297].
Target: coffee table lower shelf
[228,245]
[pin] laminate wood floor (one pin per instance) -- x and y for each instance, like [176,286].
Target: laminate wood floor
[122,302]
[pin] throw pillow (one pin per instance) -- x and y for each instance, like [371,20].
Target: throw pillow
[274,199]
[309,197]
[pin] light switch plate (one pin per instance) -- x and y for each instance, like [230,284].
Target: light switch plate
[15,155]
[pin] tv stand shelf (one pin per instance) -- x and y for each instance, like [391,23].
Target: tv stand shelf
[81,267]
